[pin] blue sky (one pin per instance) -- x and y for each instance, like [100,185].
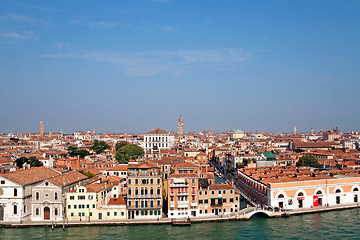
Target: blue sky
[137,65]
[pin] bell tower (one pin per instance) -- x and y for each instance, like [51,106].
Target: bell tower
[41,129]
[180,130]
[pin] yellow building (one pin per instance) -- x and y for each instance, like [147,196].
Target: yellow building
[94,202]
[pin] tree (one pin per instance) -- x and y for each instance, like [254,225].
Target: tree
[127,152]
[99,146]
[33,161]
[120,144]
[309,161]
[90,174]
[74,151]
[20,161]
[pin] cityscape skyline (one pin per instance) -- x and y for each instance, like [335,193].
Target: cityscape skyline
[132,67]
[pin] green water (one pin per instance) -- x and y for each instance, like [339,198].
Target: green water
[330,225]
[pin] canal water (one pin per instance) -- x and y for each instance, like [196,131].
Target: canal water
[329,225]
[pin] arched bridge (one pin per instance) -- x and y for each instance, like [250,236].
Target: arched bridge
[248,212]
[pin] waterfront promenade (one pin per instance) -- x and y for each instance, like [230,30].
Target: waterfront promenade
[244,214]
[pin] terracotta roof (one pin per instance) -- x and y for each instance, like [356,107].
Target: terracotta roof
[219,186]
[69,178]
[123,167]
[157,131]
[32,175]
[117,201]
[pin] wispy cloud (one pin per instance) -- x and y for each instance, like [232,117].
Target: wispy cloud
[40,8]
[61,45]
[156,62]
[18,36]
[24,19]
[98,24]
[147,26]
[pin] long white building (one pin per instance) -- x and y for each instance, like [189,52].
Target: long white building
[158,139]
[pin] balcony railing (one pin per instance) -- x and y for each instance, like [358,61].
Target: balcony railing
[144,196]
[216,205]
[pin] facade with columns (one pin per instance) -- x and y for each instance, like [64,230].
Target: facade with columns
[158,139]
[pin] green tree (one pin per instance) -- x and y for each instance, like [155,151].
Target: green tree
[127,152]
[120,144]
[309,161]
[90,174]
[33,161]
[99,146]
[20,161]
[74,151]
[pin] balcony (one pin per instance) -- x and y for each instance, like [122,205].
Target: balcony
[179,184]
[216,204]
[182,193]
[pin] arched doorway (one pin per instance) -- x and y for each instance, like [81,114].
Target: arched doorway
[281,203]
[356,196]
[46,213]
[338,192]
[320,195]
[300,199]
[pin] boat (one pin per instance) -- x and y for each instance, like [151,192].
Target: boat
[185,222]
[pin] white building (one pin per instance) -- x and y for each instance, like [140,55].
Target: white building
[158,139]
[16,192]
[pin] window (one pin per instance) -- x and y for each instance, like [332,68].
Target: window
[136,181]
[200,193]
[158,191]
[94,206]
[91,197]
[206,211]
[158,202]
[206,201]
[15,209]
[90,214]
[193,181]
[56,196]
[108,214]
[115,214]
[224,200]
[200,201]
[15,192]
[129,191]
[219,191]
[231,191]
[129,203]
[72,197]
[2,181]
[205,192]
[151,181]
[158,181]
[151,191]
[212,192]
[74,206]
[37,212]
[224,192]
[281,196]
[122,213]
[56,211]
[37,195]
[87,205]
[72,214]
[69,206]
[129,181]
[231,200]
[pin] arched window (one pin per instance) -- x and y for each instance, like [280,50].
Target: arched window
[151,191]
[281,196]
[56,196]
[356,189]
[56,211]
[301,194]
[37,195]
[129,190]
[136,191]
[319,192]
[15,209]
[37,211]
[338,191]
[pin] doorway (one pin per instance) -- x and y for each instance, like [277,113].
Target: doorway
[1,213]
[100,216]
[46,213]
